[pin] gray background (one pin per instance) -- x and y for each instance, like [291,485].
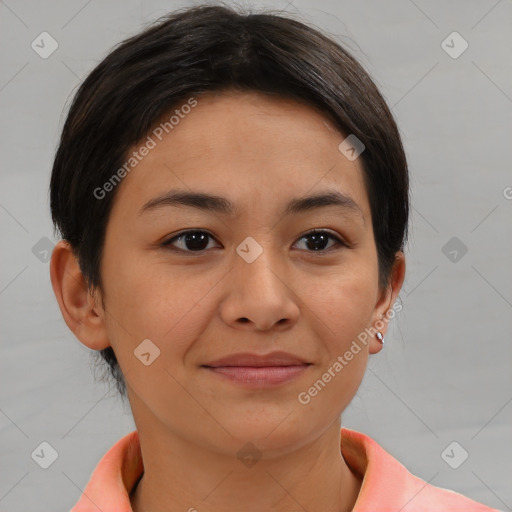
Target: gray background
[445,373]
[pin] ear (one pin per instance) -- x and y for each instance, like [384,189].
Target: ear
[386,300]
[81,311]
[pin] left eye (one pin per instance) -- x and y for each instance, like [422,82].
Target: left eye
[196,240]
[319,238]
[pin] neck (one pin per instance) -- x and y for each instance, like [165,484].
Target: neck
[181,476]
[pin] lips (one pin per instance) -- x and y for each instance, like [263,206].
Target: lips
[247,359]
[258,371]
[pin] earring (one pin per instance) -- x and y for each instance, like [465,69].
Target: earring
[379,336]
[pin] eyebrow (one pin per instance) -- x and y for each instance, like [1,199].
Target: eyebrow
[222,205]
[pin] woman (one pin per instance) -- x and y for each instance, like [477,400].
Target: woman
[232,194]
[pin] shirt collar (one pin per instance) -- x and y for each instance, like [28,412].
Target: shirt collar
[386,484]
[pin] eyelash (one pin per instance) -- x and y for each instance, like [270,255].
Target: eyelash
[339,242]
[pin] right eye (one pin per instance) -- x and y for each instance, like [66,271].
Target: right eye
[192,240]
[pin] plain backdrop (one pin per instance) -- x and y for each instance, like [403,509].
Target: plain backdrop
[444,375]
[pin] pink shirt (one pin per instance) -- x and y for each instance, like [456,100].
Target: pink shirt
[387,486]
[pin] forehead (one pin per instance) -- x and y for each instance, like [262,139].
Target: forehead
[251,147]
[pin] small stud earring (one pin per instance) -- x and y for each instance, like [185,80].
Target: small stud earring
[379,336]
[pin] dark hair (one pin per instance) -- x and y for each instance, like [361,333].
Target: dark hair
[208,49]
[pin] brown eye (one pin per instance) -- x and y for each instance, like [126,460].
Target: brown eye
[317,240]
[190,241]
[196,241]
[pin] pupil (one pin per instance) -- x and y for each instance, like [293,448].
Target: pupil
[318,239]
[196,241]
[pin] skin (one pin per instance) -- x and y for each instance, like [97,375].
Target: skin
[259,152]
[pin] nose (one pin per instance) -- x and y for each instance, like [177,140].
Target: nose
[260,296]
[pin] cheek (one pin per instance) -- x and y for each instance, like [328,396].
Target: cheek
[341,311]
[170,308]
[342,305]
[343,301]
[153,305]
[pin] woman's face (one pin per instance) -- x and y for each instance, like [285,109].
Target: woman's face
[251,281]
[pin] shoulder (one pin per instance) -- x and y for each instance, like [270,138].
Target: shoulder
[388,486]
[113,478]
